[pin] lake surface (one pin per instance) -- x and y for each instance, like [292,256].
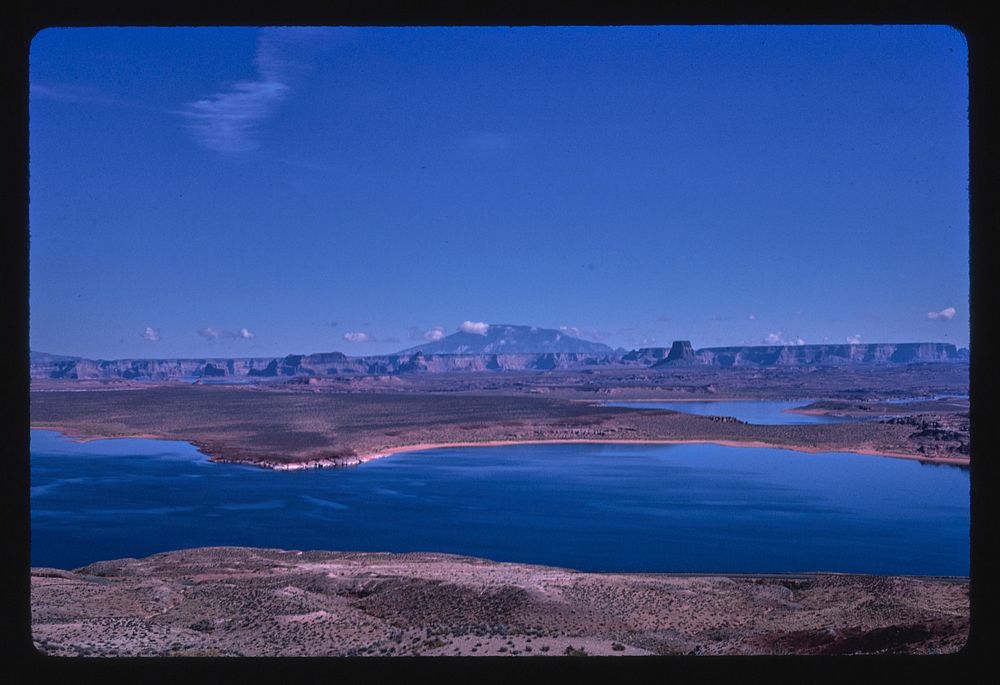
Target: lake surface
[769,412]
[668,508]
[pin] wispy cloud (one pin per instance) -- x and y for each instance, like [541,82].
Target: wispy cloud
[854,339]
[358,337]
[151,334]
[219,334]
[436,333]
[477,327]
[80,94]
[211,333]
[432,334]
[228,120]
[751,316]
[585,333]
[778,338]
[946,314]
[65,92]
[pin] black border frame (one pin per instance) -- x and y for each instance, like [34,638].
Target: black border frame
[30,17]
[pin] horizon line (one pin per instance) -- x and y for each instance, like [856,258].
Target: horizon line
[613,351]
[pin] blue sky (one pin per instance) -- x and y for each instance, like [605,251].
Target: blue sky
[245,191]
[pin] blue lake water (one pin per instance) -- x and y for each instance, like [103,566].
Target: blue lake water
[769,412]
[659,508]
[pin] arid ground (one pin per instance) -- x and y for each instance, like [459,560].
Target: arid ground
[240,601]
[330,422]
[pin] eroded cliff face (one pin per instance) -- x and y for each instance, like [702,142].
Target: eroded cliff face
[324,364]
[829,355]
[336,363]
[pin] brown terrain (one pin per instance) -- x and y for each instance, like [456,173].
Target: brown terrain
[246,602]
[324,422]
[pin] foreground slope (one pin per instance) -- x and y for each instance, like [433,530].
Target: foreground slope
[240,601]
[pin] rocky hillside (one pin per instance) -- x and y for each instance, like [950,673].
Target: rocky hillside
[819,355]
[228,601]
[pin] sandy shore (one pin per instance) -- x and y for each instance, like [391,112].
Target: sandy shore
[727,443]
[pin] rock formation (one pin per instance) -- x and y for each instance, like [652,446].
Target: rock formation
[680,353]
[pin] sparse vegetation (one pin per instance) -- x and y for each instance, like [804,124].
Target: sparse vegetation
[282,424]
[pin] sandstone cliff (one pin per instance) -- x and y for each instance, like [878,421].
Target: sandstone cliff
[336,363]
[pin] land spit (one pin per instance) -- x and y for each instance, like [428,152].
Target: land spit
[234,601]
[278,427]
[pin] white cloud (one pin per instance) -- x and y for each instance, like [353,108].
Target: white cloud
[358,337]
[218,333]
[477,327]
[854,339]
[752,316]
[211,333]
[947,314]
[570,330]
[779,339]
[227,121]
[435,333]
[77,93]
[151,334]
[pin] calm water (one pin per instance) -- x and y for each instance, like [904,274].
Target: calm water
[771,412]
[681,508]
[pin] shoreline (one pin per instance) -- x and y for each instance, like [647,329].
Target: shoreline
[726,443]
[420,447]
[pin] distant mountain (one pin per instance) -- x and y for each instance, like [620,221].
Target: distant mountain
[510,339]
[45,357]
